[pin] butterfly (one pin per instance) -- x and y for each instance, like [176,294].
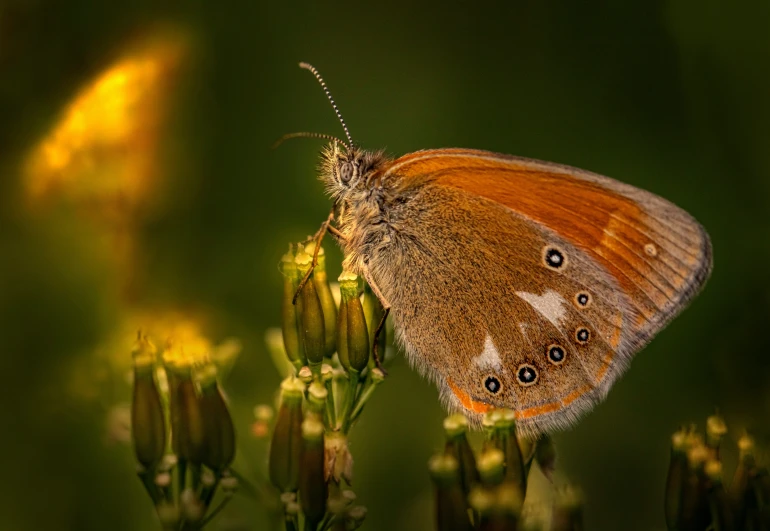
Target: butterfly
[512,282]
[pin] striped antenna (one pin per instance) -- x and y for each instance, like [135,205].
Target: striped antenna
[312,69]
[304,134]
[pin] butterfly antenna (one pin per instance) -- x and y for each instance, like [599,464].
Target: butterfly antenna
[304,134]
[312,69]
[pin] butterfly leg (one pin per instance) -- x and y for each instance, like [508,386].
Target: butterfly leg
[317,238]
[336,233]
[381,325]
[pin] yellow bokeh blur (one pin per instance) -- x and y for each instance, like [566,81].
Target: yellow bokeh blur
[104,148]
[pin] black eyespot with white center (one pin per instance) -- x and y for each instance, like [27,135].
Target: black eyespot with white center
[556,354]
[554,258]
[526,375]
[583,299]
[492,384]
[582,335]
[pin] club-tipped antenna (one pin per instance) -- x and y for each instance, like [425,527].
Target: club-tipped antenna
[304,134]
[312,69]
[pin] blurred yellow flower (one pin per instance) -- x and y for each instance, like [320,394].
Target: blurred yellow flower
[103,149]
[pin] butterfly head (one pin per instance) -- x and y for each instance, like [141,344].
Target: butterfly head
[348,170]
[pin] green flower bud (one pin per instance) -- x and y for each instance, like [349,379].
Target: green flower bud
[355,352]
[509,501]
[505,427]
[482,500]
[491,465]
[286,444]
[740,493]
[187,426]
[715,431]
[290,320]
[677,473]
[451,505]
[312,326]
[457,446]
[218,424]
[567,510]
[492,439]
[313,489]
[695,512]
[374,311]
[722,514]
[500,508]
[321,280]
[148,424]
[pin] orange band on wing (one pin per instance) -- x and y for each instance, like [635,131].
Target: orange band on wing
[574,395]
[466,400]
[538,410]
[481,407]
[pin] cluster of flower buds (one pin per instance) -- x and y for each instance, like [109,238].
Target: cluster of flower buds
[332,373]
[182,434]
[697,498]
[487,491]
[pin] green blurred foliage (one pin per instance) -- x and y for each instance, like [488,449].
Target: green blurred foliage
[672,96]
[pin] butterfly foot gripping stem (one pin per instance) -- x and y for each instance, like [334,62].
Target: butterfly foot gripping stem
[317,238]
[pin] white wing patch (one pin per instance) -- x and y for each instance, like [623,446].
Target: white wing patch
[489,357]
[550,305]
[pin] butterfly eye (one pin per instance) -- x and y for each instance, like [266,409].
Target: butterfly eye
[554,258]
[526,374]
[492,384]
[582,335]
[346,172]
[556,354]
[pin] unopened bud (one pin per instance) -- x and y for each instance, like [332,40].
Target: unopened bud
[313,489]
[354,354]
[457,445]
[311,318]
[515,473]
[491,466]
[321,280]
[218,424]
[374,312]
[677,475]
[450,500]
[290,324]
[148,424]
[286,444]
[187,426]
[715,431]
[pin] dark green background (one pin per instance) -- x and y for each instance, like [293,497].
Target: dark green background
[670,96]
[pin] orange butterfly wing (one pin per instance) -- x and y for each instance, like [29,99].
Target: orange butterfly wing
[657,252]
[656,255]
